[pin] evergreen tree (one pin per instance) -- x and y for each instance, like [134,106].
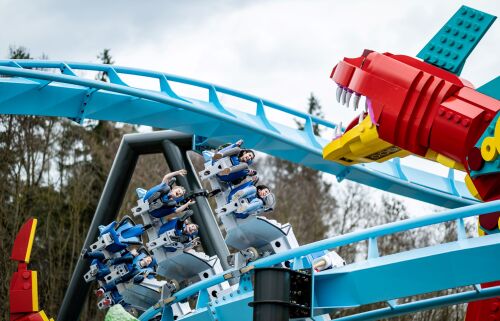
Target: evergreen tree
[105,58]
[19,53]
[314,108]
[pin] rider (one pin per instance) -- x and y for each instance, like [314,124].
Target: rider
[99,260]
[139,266]
[240,160]
[164,198]
[246,182]
[184,231]
[260,199]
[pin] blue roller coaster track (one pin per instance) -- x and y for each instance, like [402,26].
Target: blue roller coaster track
[413,272]
[54,88]
[34,88]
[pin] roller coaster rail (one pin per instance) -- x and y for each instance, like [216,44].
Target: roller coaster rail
[32,87]
[371,235]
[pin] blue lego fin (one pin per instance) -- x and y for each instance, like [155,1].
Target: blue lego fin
[491,88]
[140,192]
[451,46]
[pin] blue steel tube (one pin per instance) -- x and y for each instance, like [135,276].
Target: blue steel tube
[426,304]
[339,241]
[381,230]
[367,174]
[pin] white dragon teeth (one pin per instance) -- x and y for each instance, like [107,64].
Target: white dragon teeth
[355,101]
[348,98]
[338,93]
[338,131]
[342,96]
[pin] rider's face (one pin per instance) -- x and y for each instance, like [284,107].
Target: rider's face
[177,192]
[191,228]
[146,261]
[246,157]
[264,192]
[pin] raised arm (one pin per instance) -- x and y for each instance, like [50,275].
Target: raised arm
[184,206]
[169,176]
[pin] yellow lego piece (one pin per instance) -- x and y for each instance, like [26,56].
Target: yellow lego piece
[480,232]
[34,290]
[30,242]
[472,189]
[491,145]
[43,315]
[361,144]
[446,161]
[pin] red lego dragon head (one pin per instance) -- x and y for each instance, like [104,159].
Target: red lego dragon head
[402,98]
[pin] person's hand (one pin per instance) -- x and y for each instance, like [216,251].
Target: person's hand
[252,172]
[240,142]
[182,172]
[191,202]
[237,195]
[241,208]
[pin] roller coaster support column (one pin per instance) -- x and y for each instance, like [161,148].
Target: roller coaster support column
[212,240]
[281,294]
[107,210]
[174,146]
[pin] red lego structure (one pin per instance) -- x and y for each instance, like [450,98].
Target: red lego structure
[24,282]
[484,310]
[425,110]
[423,107]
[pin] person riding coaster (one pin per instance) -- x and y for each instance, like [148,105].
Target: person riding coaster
[180,231]
[164,198]
[139,265]
[250,200]
[239,161]
[246,182]
[102,264]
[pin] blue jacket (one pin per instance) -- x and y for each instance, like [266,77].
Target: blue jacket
[134,269]
[234,161]
[169,205]
[154,189]
[255,203]
[238,188]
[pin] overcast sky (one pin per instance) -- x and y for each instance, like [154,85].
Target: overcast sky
[280,50]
